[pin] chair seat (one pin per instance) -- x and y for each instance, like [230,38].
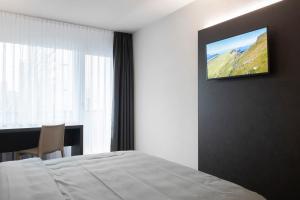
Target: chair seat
[33,151]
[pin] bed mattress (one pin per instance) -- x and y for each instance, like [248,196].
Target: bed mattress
[127,175]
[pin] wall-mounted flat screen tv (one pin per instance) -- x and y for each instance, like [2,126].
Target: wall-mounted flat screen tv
[241,55]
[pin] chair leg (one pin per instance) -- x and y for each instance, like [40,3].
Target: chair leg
[18,156]
[62,153]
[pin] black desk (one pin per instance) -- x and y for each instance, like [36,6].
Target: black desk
[17,139]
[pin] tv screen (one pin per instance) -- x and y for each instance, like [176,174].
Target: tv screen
[241,55]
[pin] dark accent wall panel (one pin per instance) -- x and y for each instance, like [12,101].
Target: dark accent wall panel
[249,128]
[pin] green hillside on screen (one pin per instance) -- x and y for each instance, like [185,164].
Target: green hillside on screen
[235,62]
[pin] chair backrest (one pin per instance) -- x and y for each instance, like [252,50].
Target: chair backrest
[51,139]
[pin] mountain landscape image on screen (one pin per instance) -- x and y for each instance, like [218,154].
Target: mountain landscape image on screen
[244,54]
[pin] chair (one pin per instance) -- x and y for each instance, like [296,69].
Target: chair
[51,140]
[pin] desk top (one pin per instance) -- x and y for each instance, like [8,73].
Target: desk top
[33,128]
[19,138]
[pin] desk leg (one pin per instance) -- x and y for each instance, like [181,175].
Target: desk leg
[76,150]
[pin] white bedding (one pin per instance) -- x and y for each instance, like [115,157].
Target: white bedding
[113,176]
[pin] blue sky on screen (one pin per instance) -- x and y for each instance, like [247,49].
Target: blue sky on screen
[234,42]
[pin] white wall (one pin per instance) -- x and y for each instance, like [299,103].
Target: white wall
[166,95]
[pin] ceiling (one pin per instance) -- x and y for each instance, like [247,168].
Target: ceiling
[117,15]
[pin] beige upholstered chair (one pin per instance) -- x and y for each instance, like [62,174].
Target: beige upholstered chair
[51,140]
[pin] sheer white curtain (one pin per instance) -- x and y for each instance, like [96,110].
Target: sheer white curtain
[53,72]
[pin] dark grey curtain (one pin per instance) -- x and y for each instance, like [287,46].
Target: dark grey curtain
[123,118]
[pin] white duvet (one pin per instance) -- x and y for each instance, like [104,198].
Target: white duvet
[113,176]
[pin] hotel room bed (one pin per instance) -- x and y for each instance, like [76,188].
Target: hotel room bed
[127,175]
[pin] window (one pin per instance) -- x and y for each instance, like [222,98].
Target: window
[53,72]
